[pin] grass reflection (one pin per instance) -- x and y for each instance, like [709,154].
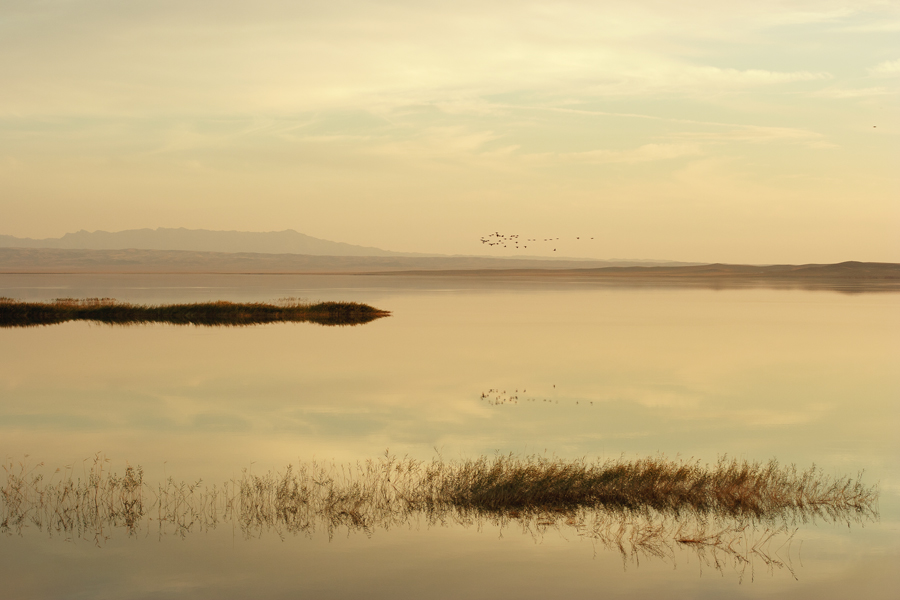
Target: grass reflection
[732,512]
[14,313]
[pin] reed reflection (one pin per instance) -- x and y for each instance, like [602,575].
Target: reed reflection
[733,513]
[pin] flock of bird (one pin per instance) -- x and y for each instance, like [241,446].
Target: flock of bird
[514,241]
[496,397]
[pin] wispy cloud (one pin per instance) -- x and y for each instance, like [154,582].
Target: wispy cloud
[753,77]
[878,26]
[641,154]
[803,17]
[757,134]
[888,68]
[152,61]
[854,92]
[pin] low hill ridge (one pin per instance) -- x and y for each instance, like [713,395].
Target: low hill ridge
[133,260]
[287,241]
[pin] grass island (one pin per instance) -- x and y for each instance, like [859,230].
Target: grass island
[14,313]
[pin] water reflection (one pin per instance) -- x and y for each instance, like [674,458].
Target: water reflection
[730,514]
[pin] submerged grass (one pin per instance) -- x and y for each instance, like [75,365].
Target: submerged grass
[14,313]
[378,492]
[733,512]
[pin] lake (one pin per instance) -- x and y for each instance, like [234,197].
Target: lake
[462,369]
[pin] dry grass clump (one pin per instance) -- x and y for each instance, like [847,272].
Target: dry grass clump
[14,313]
[730,487]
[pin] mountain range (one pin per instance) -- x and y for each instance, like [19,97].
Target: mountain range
[200,240]
[284,242]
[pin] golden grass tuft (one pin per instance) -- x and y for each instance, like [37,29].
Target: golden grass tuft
[730,487]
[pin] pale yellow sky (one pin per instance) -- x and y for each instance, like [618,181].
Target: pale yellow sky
[698,130]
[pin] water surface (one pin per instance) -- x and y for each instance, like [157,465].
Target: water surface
[579,369]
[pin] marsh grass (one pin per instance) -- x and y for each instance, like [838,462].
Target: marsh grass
[732,511]
[730,487]
[14,313]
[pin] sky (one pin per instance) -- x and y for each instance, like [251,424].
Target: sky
[699,130]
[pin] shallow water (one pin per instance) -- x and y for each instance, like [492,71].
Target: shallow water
[581,370]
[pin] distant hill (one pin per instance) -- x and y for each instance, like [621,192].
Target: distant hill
[270,242]
[200,240]
[132,260]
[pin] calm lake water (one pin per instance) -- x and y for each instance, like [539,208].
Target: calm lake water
[600,371]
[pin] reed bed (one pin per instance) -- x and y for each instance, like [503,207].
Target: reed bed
[640,508]
[14,313]
[729,487]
